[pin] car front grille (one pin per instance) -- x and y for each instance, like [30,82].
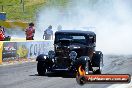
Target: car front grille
[62,52]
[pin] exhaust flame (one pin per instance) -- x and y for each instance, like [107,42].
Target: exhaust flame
[81,71]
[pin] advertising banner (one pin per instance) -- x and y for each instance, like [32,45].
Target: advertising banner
[36,48]
[22,50]
[9,51]
[25,50]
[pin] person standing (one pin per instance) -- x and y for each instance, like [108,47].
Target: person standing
[2,33]
[59,28]
[30,31]
[48,33]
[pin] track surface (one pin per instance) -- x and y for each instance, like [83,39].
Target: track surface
[25,75]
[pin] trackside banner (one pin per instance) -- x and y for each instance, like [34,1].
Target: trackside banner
[24,50]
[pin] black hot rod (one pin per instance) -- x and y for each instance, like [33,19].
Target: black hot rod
[72,48]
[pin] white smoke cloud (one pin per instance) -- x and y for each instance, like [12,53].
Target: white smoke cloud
[15,33]
[110,18]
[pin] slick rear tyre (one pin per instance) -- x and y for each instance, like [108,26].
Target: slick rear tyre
[41,68]
[97,61]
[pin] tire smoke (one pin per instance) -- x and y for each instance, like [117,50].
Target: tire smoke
[111,20]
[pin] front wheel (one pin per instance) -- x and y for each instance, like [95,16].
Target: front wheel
[41,68]
[97,61]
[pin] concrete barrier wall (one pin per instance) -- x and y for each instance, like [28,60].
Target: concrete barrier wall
[12,51]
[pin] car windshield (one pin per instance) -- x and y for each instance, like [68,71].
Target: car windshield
[75,38]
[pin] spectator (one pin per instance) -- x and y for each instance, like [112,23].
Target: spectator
[59,28]
[2,33]
[30,32]
[2,28]
[48,33]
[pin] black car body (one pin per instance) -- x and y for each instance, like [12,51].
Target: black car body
[72,48]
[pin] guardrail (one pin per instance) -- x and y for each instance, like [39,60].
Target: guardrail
[20,50]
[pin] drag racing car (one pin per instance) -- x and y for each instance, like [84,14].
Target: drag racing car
[72,49]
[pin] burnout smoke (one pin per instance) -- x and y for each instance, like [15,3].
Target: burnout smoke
[15,33]
[111,20]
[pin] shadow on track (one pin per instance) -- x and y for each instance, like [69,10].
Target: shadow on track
[58,74]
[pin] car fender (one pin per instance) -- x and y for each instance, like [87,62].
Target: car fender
[96,57]
[44,58]
[41,57]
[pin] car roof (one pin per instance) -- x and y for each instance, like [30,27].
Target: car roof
[75,31]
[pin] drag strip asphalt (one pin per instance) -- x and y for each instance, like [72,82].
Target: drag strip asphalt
[25,75]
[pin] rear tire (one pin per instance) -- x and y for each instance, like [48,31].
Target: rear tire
[41,68]
[97,61]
